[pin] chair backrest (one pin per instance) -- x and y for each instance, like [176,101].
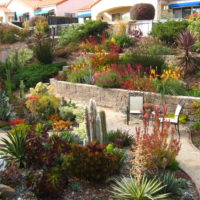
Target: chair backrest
[136,102]
[178,110]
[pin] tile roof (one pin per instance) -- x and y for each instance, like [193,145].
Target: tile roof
[89,6]
[5,10]
[40,3]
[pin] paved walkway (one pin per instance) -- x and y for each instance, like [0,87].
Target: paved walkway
[189,156]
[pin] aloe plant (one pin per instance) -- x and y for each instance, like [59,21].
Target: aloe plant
[133,189]
[13,148]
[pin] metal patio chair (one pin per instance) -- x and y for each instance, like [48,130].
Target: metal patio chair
[175,120]
[135,104]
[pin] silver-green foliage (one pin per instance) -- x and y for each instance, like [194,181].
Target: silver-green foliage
[173,186]
[5,106]
[95,124]
[145,189]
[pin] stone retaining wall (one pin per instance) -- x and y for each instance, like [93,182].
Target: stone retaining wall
[6,49]
[116,99]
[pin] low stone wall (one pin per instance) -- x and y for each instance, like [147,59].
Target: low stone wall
[116,99]
[6,49]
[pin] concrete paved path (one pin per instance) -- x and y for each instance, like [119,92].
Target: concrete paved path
[189,155]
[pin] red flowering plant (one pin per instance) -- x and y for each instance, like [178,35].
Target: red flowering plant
[126,77]
[195,90]
[16,122]
[159,145]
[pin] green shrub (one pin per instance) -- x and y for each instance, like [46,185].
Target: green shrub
[21,57]
[108,80]
[159,50]
[79,76]
[123,40]
[170,87]
[92,162]
[147,61]
[66,113]
[173,185]
[168,31]
[43,51]
[35,73]
[81,32]
[194,26]
[68,137]
[120,138]
[196,125]
[10,34]
[173,165]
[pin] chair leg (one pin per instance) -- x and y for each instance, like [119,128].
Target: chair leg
[178,131]
[128,118]
[128,115]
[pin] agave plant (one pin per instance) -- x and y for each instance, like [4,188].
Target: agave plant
[186,41]
[172,184]
[133,189]
[13,148]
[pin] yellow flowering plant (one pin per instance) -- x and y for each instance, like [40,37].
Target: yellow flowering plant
[175,73]
[42,103]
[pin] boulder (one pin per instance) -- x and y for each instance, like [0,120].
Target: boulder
[6,192]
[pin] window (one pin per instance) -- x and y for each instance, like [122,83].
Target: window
[70,14]
[196,10]
[116,17]
[186,12]
[177,13]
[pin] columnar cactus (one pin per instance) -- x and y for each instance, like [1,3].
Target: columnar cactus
[99,134]
[95,124]
[103,127]
[22,87]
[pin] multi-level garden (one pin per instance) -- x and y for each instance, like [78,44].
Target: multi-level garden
[53,148]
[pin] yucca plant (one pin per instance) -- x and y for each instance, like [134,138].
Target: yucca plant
[172,184]
[133,189]
[186,40]
[13,148]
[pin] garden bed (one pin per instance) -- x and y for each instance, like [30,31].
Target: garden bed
[83,190]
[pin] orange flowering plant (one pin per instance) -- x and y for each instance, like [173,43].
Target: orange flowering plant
[159,145]
[61,125]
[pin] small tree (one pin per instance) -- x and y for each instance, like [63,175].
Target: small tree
[142,11]
[186,41]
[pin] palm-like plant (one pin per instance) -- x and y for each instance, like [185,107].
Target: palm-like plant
[133,189]
[186,41]
[13,148]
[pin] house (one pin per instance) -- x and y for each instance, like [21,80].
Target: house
[6,14]
[25,9]
[183,8]
[114,10]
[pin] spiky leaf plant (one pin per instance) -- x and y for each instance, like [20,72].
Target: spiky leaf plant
[13,148]
[133,189]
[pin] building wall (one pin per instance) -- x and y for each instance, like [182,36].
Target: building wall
[71,6]
[2,16]
[105,5]
[20,8]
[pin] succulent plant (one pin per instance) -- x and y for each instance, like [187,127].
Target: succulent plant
[95,124]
